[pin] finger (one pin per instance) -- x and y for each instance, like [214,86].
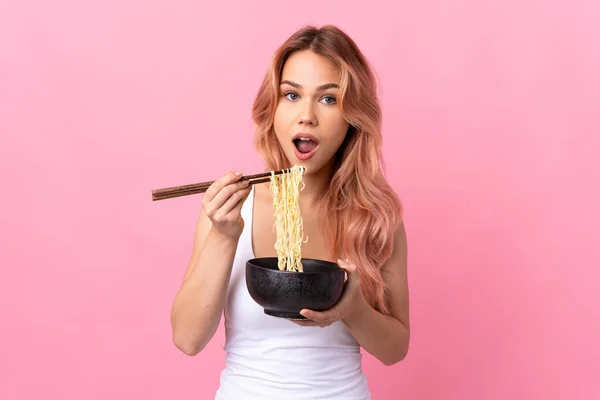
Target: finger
[305,323]
[349,267]
[219,184]
[238,207]
[233,204]
[325,317]
[225,194]
[311,323]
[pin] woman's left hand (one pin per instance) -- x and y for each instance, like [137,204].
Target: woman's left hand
[350,303]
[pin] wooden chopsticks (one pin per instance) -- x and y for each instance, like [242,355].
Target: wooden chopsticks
[195,188]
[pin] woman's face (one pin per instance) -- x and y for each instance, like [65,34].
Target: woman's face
[308,121]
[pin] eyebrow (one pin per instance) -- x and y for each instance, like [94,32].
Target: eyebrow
[319,88]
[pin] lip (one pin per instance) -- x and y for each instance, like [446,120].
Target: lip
[305,135]
[305,156]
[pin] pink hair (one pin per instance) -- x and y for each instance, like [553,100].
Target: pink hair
[360,209]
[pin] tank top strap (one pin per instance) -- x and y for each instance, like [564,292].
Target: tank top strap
[247,211]
[248,208]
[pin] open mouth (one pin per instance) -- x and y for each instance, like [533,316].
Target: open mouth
[305,145]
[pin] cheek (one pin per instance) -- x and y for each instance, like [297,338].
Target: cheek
[277,122]
[283,113]
[281,120]
[337,127]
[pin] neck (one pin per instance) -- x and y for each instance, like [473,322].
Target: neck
[315,184]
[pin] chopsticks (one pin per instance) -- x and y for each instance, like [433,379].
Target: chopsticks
[195,188]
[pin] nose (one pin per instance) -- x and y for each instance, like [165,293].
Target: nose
[307,115]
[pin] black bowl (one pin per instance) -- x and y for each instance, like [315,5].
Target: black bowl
[283,294]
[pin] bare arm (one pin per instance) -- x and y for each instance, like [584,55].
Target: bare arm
[198,305]
[384,336]
[387,337]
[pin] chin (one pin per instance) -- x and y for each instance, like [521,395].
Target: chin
[308,164]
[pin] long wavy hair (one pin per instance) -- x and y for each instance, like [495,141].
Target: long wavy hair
[360,209]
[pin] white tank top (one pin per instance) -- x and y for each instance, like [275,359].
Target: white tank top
[269,358]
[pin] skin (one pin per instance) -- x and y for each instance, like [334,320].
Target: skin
[308,103]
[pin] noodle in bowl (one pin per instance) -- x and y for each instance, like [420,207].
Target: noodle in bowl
[284,293]
[288,283]
[285,189]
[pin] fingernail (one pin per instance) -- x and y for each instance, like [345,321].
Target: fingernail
[238,173]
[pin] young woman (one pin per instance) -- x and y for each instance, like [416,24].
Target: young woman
[317,107]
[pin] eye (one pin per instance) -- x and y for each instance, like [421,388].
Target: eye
[328,99]
[291,96]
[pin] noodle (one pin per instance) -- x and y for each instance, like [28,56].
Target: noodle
[287,219]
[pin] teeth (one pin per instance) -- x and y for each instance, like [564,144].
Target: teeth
[305,139]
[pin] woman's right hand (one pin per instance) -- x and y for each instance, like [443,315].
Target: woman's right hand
[223,202]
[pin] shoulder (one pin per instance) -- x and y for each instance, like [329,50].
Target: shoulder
[262,194]
[397,261]
[400,241]
[262,190]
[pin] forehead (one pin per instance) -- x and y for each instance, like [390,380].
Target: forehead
[309,69]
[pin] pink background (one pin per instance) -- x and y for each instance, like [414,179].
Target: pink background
[491,138]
